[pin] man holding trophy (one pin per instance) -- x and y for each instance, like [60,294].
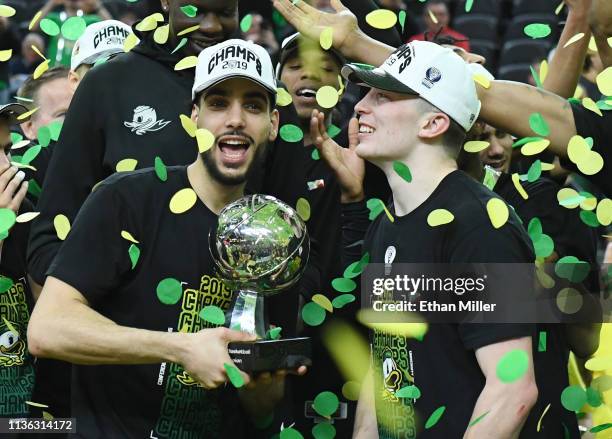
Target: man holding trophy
[132,317]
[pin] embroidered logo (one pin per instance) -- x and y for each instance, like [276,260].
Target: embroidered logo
[145,121]
[433,75]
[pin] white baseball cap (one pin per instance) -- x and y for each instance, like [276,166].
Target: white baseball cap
[234,59]
[427,70]
[100,39]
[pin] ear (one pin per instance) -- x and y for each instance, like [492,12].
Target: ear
[274,119]
[195,111]
[433,125]
[28,130]
[73,80]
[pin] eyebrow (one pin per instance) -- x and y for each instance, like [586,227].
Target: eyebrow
[224,93]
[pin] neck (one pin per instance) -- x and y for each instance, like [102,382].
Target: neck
[305,126]
[212,193]
[428,165]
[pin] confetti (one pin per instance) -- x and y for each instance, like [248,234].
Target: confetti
[327,96]
[128,237]
[126,165]
[388,213]
[160,169]
[535,171]
[323,431]
[559,8]
[343,300]
[589,218]
[291,133]
[44,136]
[353,270]
[31,154]
[498,212]
[590,104]
[604,81]
[375,205]
[439,217]
[543,70]
[283,98]
[525,140]
[34,20]
[600,427]
[589,202]
[537,30]
[188,125]
[512,365]
[5,55]
[315,184]
[290,433]
[323,302]
[5,284]
[434,417]
[134,253]
[188,30]
[47,416]
[205,139]
[40,69]
[130,42]
[234,375]
[597,364]
[593,397]
[573,398]
[26,217]
[381,19]
[183,200]
[213,314]
[539,125]
[169,291]
[73,28]
[468,5]
[343,285]
[575,38]
[49,27]
[572,269]
[535,147]
[542,341]
[37,404]
[538,428]
[482,80]
[147,24]
[246,22]
[412,392]
[62,226]
[188,62]
[180,45]
[326,403]
[569,198]
[604,212]
[478,419]
[303,208]
[190,11]
[432,16]
[401,15]
[475,146]
[160,36]
[313,314]
[543,245]
[7,11]
[326,38]
[315,154]
[274,333]
[350,390]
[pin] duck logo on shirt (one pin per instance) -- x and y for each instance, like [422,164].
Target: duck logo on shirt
[145,121]
[12,347]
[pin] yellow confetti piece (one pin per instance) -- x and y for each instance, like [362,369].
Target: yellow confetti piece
[381,19]
[10,326]
[498,212]
[20,165]
[517,185]
[341,85]
[604,81]
[568,193]
[38,52]
[590,104]
[543,70]
[482,80]
[559,8]
[610,41]
[283,98]
[542,417]
[547,166]
[183,200]
[475,146]
[189,30]
[599,364]
[34,20]
[130,42]
[5,55]
[432,16]
[327,96]
[205,139]
[148,24]
[303,208]
[326,39]
[588,203]
[26,217]
[42,68]
[47,416]
[350,390]
[27,114]
[7,11]
[37,404]
[128,237]
[388,214]
[323,302]
[186,63]
[604,212]
[577,149]
[439,217]
[62,226]
[592,44]
[535,147]
[161,34]
[592,164]
[575,38]
[126,165]
[188,125]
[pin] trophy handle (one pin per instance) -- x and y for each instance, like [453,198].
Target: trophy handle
[247,313]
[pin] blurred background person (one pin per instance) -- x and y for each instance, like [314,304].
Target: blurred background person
[441,26]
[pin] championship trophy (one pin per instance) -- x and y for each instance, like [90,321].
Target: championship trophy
[260,248]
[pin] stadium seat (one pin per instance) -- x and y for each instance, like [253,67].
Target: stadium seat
[491,8]
[523,51]
[522,7]
[514,72]
[488,49]
[477,26]
[516,27]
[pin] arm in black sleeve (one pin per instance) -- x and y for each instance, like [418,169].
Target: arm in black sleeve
[355,223]
[75,167]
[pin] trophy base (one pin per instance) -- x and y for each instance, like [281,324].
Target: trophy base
[270,355]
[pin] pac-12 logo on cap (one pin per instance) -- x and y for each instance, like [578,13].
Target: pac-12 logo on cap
[432,75]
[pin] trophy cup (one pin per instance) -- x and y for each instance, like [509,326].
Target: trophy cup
[260,248]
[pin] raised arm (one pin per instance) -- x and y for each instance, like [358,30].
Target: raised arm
[600,20]
[366,426]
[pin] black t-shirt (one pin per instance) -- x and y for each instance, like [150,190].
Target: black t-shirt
[145,400]
[443,365]
[589,124]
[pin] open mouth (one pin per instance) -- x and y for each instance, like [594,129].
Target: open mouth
[498,165]
[365,128]
[307,94]
[233,149]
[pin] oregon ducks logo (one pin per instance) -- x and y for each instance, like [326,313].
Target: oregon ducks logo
[12,347]
[392,377]
[186,380]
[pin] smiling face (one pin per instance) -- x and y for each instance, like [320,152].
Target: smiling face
[52,99]
[238,113]
[499,154]
[217,21]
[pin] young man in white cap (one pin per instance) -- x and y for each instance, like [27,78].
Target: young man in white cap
[107,315]
[421,103]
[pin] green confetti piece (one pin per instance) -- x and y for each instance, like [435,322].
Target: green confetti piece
[589,218]
[5,284]
[434,417]
[600,427]
[213,314]
[278,18]
[593,397]
[525,140]
[291,133]
[536,77]
[566,434]
[402,170]
[478,419]
[375,206]
[315,154]
[537,30]
[343,300]
[468,5]
[34,188]
[16,138]
[574,101]
[365,259]
[543,245]
[402,19]
[189,10]
[343,285]
[134,253]
[44,136]
[512,366]
[333,131]
[326,403]
[324,431]
[572,269]
[538,125]
[535,227]
[573,398]
[73,28]
[313,314]
[603,105]
[31,154]
[160,169]
[7,219]
[542,342]
[234,375]
[101,61]
[246,22]
[55,128]
[571,201]
[412,392]
[180,45]
[49,27]
[290,433]
[353,270]
[274,333]
[589,142]
[535,171]
[169,291]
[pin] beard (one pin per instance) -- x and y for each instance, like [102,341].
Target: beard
[234,180]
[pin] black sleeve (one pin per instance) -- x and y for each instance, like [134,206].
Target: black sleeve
[74,168]
[355,224]
[589,124]
[95,257]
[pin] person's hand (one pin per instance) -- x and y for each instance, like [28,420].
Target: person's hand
[207,352]
[12,187]
[346,164]
[311,22]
